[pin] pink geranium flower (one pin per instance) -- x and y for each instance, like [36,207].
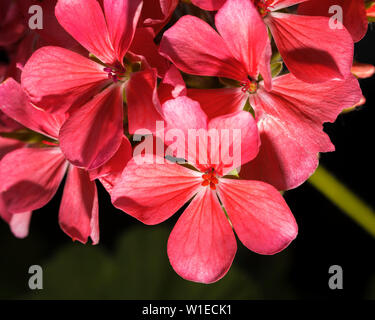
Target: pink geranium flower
[59,80]
[290,113]
[30,176]
[202,245]
[311,50]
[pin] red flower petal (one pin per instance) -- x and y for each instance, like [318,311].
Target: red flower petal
[30,178]
[290,120]
[202,245]
[8,145]
[184,115]
[354,14]
[311,50]
[195,48]
[363,70]
[265,68]
[153,191]
[210,5]
[55,78]
[259,215]
[18,223]
[8,124]
[112,169]
[15,104]
[156,13]
[244,33]
[143,45]
[84,21]
[100,128]
[249,140]
[218,102]
[78,216]
[122,18]
[142,98]
[52,32]
[172,85]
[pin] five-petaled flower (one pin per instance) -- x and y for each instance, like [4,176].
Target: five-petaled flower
[202,245]
[59,80]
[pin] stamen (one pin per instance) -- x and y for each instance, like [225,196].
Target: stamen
[205,183]
[210,179]
[263,6]
[212,186]
[114,73]
[250,86]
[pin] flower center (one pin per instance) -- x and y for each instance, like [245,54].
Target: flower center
[250,86]
[263,6]
[210,179]
[114,74]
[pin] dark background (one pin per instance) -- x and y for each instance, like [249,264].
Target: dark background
[131,262]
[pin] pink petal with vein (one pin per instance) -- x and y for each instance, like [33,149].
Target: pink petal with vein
[100,128]
[84,21]
[311,50]
[122,18]
[259,215]
[30,178]
[56,78]
[202,245]
[290,121]
[78,215]
[152,192]
[195,48]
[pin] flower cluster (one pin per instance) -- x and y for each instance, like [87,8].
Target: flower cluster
[215,103]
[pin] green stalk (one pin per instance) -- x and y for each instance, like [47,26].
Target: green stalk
[343,198]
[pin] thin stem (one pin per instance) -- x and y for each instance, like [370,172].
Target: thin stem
[343,198]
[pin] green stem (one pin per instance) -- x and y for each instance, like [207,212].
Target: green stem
[345,199]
